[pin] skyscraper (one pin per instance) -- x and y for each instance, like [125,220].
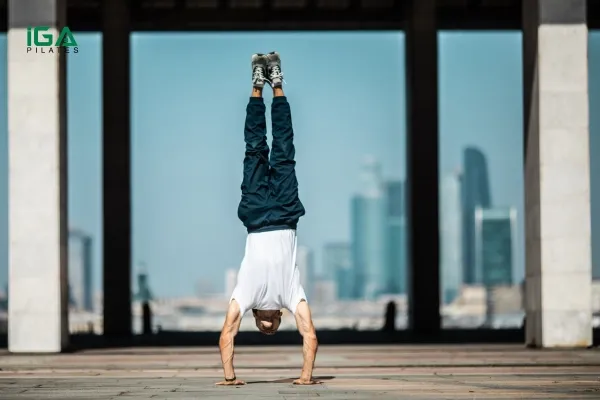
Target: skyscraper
[395,239]
[305,263]
[337,262]
[495,234]
[451,237]
[143,293]
[476,193]
[80,270]
[368,233]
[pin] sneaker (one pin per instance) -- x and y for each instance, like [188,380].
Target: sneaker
[259,70]
[274,69]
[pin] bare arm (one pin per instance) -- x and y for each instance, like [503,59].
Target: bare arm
[230,330]
[309,343]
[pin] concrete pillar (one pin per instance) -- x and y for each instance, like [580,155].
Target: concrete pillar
[557,174]
[422,167]
[116,168]
[38,307]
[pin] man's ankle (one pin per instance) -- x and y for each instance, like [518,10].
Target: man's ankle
[256,92]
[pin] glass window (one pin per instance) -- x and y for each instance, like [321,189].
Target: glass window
[84,130]
[594,84]
[189,102]
[3,187]
[481,179]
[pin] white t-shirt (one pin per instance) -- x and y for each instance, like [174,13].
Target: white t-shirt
[268,278]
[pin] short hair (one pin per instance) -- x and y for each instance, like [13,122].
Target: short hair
[266,314]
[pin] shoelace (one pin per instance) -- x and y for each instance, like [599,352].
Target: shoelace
[276,73]
[258,75]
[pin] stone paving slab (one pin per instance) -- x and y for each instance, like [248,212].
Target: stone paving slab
[348,387]
[329,356]
[406,372]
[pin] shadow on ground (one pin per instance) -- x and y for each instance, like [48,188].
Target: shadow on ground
[319,379]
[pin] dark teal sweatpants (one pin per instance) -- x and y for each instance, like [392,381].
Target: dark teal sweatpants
[269,187]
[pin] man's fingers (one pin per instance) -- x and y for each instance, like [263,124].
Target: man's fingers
[306,382]
[233,383]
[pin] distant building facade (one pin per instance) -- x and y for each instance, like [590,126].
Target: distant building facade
[80,271]
[495,233]
[395,252]
[306,267]
[451,237]
[475,193]
[368,234]
[337,258]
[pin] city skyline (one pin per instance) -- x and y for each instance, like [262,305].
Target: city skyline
[373,263]
[186,235]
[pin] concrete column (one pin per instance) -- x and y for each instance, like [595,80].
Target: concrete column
[422,167]
[557,174]
[116,168]
[38,307]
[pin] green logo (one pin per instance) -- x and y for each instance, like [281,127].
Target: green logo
[40,40]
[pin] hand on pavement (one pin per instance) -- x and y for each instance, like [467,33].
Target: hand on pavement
[236,382]
[303,381]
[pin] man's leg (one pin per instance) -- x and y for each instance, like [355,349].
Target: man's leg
[284,185]
[255,184]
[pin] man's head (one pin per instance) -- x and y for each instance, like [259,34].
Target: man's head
[267,321]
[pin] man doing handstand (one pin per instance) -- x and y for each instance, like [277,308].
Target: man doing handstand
[268,280]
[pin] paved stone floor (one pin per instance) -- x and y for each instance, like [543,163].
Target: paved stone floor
[346,372]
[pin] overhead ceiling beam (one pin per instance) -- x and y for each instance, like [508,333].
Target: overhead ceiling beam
[359,15]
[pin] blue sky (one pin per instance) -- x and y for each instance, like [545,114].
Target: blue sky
[189,92]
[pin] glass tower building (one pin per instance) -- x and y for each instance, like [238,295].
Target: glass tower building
[451,237]
[368,233]
[396,239]
[476,193]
